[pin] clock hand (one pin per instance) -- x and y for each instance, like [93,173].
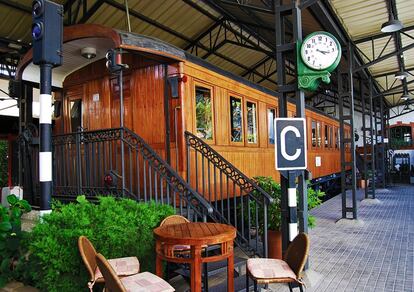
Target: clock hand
[323,52]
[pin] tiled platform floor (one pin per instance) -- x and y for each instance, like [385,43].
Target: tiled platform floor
[375,255]
[372,254]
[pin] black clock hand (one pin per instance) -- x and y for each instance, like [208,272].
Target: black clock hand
[323,52]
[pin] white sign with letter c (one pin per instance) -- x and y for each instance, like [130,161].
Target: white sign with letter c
[283,144]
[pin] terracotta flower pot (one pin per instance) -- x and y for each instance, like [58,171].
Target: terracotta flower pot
[274,243]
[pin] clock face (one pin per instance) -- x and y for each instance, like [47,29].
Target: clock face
[320,51]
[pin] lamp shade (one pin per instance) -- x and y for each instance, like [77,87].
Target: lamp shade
[392,25]
[401,75]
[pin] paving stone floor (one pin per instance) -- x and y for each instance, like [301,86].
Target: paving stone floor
[373,254]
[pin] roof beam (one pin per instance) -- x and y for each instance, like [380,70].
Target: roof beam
[392,10]
[329,20]
[389,55]
[392,73]
[17,6]
[249,7]
[91,11]
[381,35]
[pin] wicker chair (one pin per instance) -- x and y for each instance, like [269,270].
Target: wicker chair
[123,266]
[142,282]
[173,220]
[265,271]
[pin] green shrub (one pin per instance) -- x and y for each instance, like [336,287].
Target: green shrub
[117,228]
[271,187]
[314,200]
[11,235]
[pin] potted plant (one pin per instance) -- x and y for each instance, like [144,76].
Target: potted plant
[274,222]
[274,234]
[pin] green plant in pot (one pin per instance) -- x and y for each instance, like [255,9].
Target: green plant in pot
[274,221]
[274,217]
[11,235]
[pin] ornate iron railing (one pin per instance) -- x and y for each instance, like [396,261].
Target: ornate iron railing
[83,159]
[236,199]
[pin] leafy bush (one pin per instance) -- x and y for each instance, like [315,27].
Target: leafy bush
[117,228]
[314,200]
[11,235]
[271,187]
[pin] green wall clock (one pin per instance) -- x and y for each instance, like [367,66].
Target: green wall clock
[318,55]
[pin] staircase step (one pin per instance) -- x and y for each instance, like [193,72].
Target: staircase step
[239,285]
[214,268]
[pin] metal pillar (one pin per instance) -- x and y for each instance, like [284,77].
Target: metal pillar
[284,49]
[25,119]
[372,130]
[121,122]
[300,113]
[346,92]
[364,136]
[380,143]
[45,134]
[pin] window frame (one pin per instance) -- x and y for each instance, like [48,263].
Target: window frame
[75,99]
[213,124]
[247,144]
[267,124]
[311,134]
[237,96]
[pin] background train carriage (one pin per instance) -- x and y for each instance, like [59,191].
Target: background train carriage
[166,93]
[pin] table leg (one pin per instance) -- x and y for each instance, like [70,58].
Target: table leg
[158,260]
[196,269]
[230,272]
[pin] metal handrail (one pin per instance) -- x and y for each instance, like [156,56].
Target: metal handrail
[87,155]
[179,183]
[236,199]
[225,165]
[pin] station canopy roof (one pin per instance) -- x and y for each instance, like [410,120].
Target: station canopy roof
[239,35]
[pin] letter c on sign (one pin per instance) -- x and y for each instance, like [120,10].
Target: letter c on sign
[283,143]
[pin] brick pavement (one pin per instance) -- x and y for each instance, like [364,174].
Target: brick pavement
[374,254]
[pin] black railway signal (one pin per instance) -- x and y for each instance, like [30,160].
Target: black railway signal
[113,61]
[47,32]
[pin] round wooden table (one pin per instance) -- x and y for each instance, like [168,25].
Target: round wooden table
[196,236]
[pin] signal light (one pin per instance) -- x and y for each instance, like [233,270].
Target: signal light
[114,61]
[47,32]
[37,31]
[37,8]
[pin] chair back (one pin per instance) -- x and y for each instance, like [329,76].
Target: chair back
[112,281]
[174,219]
[297,253]
[88,254]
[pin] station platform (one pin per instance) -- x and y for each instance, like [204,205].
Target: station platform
[374,253]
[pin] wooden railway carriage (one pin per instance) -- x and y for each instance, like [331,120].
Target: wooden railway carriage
[166,93]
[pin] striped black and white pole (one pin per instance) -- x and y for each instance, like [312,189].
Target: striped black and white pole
[293,219]
[45,130]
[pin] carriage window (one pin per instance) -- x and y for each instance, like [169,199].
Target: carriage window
[236,119]
[76,115]
[271,115]
[318,134]
[331,141]
[313,134]
[326,136]
[204,113]
[338,137]
[251,122]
